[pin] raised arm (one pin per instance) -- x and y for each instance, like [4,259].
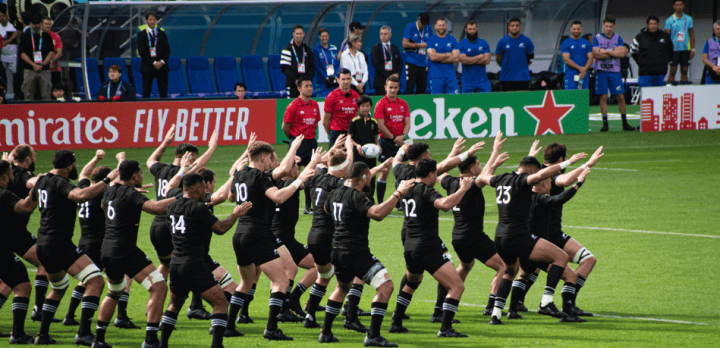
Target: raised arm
[287,163]
[90,166]
[186,167]
[222,226]
[553,169]
[384,165]
[567,195]
[399,155]
[489,169]
[447,203]
[157,154]
[280,196]
[159,207]
[567,179]
[452,162]
[79,195]
[380,211]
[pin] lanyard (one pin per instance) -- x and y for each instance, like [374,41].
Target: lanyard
[322,49]
[356,62]
[117,92]
[384,53]
[684,21]
[296,56]
[150,38]
[33,41]
[422,37]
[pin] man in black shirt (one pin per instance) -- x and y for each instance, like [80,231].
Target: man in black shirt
[57,200]
[159,233]
[12,271]
[468,238]
[514,241]
[123,205]
[351,211]
[190,221]
[296,61]
[363,130]
[36,53]
[154,50]
[253,242]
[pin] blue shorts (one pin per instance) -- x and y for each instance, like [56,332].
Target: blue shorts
[570,83]
[710,81]
[482,87]
[651,81]
[605,81]
[444,85]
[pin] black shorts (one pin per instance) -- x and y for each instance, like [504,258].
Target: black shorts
[297,250]
[187,277]
[305,150]
[351,264]
[12,270]
[94,252]
[680,57]
[254,249]
[509,86]
[21,241]
[403,236]
[211,264]
[120,261]
[59,256]
[480,247]
[161,239]
[425,258]
[558,238]
[320,246]
[513,248]
[389,149]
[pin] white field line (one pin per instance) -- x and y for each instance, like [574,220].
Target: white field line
[606,316]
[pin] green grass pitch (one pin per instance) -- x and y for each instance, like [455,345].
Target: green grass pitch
[648,212]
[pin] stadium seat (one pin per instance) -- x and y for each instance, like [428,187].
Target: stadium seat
[198,71]
[107,62]
[137,78]
[176,80]
[225,73]
[277,78]
[369,89]
[403,74]
[254,77]
[93,77]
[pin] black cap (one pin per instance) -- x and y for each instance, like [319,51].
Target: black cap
[63,159]
[424,18]
[356,25]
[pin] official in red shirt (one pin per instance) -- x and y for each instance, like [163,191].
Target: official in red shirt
[340,107]
[393,118]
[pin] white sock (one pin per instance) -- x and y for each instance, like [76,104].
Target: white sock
[546,299]
[497,312]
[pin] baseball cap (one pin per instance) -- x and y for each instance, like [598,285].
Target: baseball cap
[424,18]
[356,25]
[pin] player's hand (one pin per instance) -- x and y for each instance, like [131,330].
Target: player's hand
[170,135]
[500,159]
[595,157]
[253,138]
[476,147]
[242,209]
[359,149]
[297,141]
[534,149]
[340,141]
[466,183]
[100,154]
[186,163]
[399,142]
[405,186]
[581,177]
[5,156]
[576,157]
[306,174]
[141,190]
[213,140]
[120,157]
[499,141]
[458,146]
[317,154]
[404,148]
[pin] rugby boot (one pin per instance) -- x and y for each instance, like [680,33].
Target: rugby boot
[24,339]
[125,323]
[198,313]
[514,315]
[378,342]
[355,325]
[398,328]
[276,335]
[450,333]
[86,340]
[551,310]
[327,338]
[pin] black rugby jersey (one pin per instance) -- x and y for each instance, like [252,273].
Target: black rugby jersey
[541,211]
[163,173]
[91,217]
[421,216]
[469,212]
[513,198]
[57,211]
[19,188]
[250,185]
[348,208]
[123,207]
[320,187]
[286,215]
[189,221]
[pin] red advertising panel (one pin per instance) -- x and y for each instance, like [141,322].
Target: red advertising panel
[136,124]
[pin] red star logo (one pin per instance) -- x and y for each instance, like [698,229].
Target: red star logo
[549,115]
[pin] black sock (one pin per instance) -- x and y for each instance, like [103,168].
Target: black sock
[353,300]
[403,302]
[518,291]
[568,296]
[441,294]
[403,281]
[41,288]
[219,323]
[122,305]
[308,199]
[381,185]
[316,294]
[332,310]
[605,120]
[228,296]
[3,298]
[377,313]
[624,118]
[450,307]
[286,300]
[503,292]
[275,302]
[49,308]
[151,332]
[298,292]
[75,300]
[236,304]
[19,309]
[248,298]
[579,284]
[528,285]
[196,301]
[491,302]
[553,278]
[169,320]
[87,312]
[100,330]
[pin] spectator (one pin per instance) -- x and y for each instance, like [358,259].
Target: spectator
[513,54]
[578,57]
[9,37]
[393,118]
[340,107]
[680,28]
[296,61]
[57,44]
[36,52]
[154,50]
[363,130]
[355,29]
[116,89]
[357,64]
[711,56]
[58,92]
[415,44]
[326,63]
[608,49]
[652,49]
[443,52]
[385,59]
[240,91]
[475,56]
[2,94]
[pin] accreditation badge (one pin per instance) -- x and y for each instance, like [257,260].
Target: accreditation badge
[153,52]
[330,70]
[301,68]
[388,65]
[37,56]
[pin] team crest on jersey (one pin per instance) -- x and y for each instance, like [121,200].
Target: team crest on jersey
[469,49]
[341,101]
[521,45]
[402,108]
[662,40]
[508,46]
[302,112]
[583,46]
[449,45]
[572,46]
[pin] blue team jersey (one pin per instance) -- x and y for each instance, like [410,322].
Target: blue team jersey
[578,50]
[473,74]
[680,31]
[444,45]
[412,33]
[514,62]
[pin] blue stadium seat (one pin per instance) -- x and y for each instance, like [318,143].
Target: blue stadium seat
[226,73]
[198,71]
[403,73]
[277,78]
[176,80]
[369,89]
[253,74]
[138,80]
[107,62]
[93,77]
